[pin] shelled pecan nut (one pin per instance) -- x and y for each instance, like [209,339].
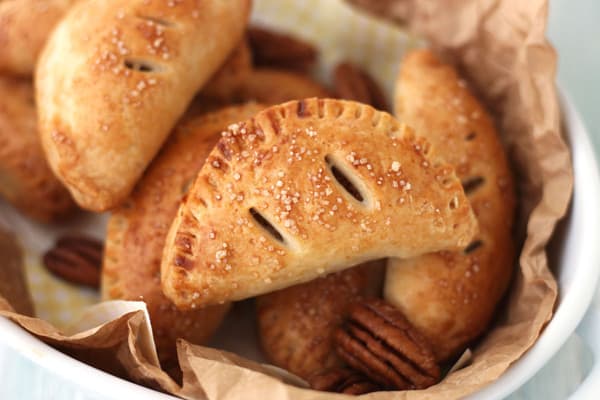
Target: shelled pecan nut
[353,83]
[343,380]
[273,49]
[378,341]
[76,259]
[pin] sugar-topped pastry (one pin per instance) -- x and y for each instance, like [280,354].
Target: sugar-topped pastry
[451,296]
[137,229]
[114,78]
[304,189]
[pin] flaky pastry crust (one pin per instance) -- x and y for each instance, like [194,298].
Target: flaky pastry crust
[304,189]
[451,296]
[114,78]
[137,230]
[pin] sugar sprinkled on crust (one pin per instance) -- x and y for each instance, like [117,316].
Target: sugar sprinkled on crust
[311,200]
[436,101]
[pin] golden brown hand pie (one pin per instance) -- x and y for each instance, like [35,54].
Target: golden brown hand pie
[451,296]
[26,180]
[296,324]
[137,230]
[24,28]
[304,189]
[114,78]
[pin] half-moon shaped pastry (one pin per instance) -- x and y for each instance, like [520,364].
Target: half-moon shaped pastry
[114,78]
[137,231]
[451,296]
[24,29]
[296,324]
[304,189]
[26,180]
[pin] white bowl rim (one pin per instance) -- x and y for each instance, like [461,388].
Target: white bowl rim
[565,320]
[572,308]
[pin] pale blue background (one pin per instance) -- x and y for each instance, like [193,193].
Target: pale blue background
[575,31]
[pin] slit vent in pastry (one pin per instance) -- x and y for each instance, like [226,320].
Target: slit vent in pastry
[277,163]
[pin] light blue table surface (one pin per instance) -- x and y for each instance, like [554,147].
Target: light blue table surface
[575,31]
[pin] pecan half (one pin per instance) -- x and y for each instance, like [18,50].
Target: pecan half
[343,380]
[76,259]
[378,341]
[273,49]
[353,83]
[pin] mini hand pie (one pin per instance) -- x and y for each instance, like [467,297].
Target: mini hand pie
[307,188]
[113,80]
[451,296]
[137,230]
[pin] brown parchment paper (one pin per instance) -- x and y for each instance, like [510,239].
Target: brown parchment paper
[501,49]
[13,285]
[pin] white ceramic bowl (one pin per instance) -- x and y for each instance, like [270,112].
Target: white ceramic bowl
[52,374]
